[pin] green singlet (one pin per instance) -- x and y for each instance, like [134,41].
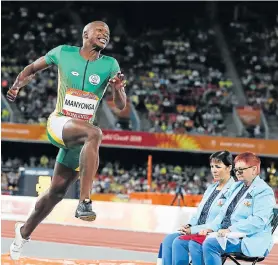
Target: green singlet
[81,86]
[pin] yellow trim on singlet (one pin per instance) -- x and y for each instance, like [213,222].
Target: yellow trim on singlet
[60,95]
[57,109]
[51,132]
[77,169]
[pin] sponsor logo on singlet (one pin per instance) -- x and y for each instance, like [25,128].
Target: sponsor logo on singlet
[80,104]
[94,79]
[75,73]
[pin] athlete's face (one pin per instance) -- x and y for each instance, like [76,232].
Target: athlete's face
[99,35]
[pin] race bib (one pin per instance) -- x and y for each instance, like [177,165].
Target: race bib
[80,104]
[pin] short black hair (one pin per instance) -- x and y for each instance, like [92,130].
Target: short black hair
[223,156]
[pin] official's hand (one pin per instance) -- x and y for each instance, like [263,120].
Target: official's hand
[223,232]
[205,232]
[185,230]
[118,81]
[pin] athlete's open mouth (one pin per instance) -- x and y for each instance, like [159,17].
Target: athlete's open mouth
[102,40]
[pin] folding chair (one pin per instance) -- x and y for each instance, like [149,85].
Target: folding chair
[235,257]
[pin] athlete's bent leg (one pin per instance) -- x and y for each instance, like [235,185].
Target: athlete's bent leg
[76,133]
[62,178]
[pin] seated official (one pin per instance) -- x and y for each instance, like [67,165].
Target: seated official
[249,210]
[173,249]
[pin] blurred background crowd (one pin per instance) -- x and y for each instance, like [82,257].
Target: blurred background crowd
[125,177]
[179,79]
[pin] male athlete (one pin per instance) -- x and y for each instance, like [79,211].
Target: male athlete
[84,75]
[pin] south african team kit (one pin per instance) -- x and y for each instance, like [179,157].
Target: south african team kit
[81,86]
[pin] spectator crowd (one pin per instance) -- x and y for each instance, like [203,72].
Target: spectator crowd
[114,177]
[176,78]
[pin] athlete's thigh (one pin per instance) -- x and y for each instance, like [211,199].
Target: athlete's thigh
[69,157]
[66,132]
[75,132]
[55,125]
[63,176]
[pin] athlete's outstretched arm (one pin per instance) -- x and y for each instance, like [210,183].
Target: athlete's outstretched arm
[118,89]
[25,77]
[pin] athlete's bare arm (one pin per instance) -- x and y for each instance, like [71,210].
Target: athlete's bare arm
[119,98]
[118,90]
[25,77]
